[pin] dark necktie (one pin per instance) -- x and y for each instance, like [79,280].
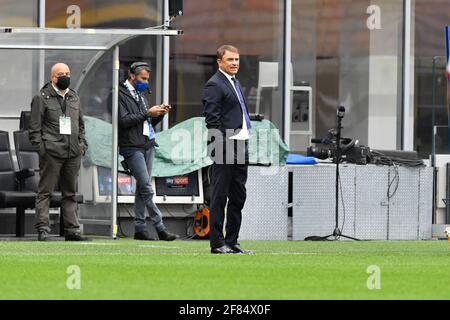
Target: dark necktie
[242,102]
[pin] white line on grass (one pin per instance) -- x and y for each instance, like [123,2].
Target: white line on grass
[97,243]
[149,253]
[153,246]
[290,253]
[91,254]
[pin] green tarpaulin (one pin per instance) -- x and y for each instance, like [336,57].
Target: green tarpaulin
[182,148]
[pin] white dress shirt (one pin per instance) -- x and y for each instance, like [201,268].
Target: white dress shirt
[243,134]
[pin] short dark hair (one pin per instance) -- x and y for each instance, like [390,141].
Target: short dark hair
[226,47]
[137,67]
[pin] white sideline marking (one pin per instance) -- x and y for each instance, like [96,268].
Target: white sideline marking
[292,253]
[96,243]
[153,246]
[206,252]
[94,254]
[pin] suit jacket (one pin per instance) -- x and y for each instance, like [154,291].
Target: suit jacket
[222,109]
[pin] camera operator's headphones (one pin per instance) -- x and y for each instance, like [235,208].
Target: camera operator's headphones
[137,65]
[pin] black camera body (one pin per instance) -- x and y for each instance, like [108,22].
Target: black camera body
[358,155]
[351,152]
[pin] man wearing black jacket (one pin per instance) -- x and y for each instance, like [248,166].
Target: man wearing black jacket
[137,145]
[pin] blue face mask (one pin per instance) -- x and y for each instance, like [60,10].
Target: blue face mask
[141,86]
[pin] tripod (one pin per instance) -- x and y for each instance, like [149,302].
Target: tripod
[337,159]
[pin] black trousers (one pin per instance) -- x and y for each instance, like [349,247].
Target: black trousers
[228,183]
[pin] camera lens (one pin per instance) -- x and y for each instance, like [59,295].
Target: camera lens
[319,153]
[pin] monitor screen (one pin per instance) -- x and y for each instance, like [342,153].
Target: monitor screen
[178,186]
[126,184]
[182,189]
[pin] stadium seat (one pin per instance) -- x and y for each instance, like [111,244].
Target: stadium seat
[25,117]
[11,183]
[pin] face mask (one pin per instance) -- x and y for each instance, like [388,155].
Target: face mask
[141,86]
[63,82]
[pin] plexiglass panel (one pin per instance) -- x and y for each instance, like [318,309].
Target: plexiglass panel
[72,40]
[350,52]
[255,28]
[430,19]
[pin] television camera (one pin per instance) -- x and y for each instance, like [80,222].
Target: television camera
[350,150]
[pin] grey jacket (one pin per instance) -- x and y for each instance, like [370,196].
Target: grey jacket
[44,124]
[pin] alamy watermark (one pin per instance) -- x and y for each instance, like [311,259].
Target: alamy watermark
[374,20]
[374,280]
[74,19]
[73,281]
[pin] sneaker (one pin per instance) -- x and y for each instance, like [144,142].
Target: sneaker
[166,236]
[75,237]
[143,235]
[42,235]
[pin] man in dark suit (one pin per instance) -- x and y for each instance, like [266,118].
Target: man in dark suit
[228,122]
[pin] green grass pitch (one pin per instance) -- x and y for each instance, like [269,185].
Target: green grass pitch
[291,270]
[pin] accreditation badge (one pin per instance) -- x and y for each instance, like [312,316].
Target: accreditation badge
[146,129]
[65,126]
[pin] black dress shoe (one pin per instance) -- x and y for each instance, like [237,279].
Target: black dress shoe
[167,236]
[143,235]
[75,237]
[237,249]
[222,250]
[42,235]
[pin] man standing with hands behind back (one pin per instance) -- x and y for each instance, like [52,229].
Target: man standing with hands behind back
[57,132]
[225,110]
[137,145]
